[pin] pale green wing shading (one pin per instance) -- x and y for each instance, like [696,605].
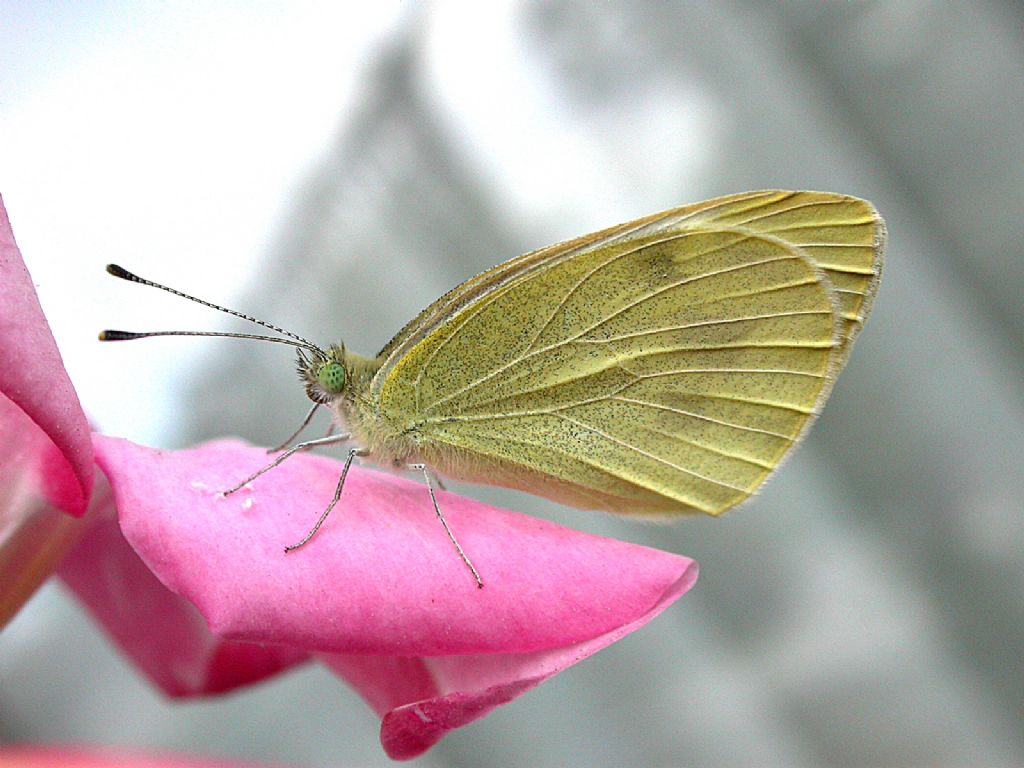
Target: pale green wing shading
[666,365]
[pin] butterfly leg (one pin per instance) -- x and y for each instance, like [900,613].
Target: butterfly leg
[297,432]
[294,449]
[431,480]
[334,502]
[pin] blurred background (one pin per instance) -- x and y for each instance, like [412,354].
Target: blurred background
[335,167]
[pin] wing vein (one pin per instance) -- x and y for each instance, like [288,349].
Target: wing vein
[585,278]
[700,416]
[821,224]
[688,281]
[657,459]
[762,200]
[586,461]
[716,451]
[784,371]
[835,245]
[787,209]
[703,323]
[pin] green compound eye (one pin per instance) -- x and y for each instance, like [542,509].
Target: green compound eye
[331,377]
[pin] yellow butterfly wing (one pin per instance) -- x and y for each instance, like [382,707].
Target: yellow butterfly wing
[662,366]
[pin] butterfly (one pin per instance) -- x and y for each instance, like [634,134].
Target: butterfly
[661,367]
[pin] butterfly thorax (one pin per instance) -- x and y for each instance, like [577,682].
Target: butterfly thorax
[341,380]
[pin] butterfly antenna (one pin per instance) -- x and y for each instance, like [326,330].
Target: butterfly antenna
[293,339]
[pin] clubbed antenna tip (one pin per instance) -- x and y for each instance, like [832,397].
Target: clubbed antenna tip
[119,271]
[110,335]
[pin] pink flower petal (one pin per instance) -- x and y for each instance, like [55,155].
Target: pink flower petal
[161,632]
[34,535]
[91,757]
[381,576]
[422,699]
[32,376]
[380,587]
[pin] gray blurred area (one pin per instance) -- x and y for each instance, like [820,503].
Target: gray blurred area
[867,607]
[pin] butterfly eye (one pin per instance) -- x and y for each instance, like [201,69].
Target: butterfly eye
[331,377]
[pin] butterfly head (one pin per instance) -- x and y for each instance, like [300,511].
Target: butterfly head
[325,374]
